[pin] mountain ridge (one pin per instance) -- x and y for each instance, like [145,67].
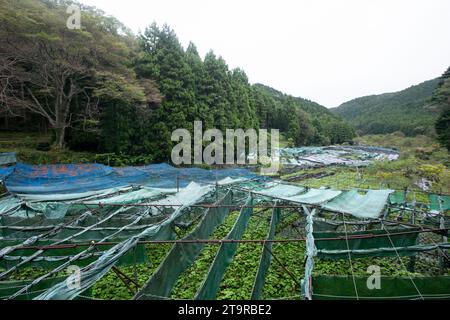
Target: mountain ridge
[410,111]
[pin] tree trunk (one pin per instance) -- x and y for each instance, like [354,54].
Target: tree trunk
[60,136]
[60,120]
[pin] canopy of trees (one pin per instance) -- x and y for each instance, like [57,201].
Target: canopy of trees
[304,122]
[103,89]
[442,98]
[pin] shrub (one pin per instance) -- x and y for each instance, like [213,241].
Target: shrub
[43,146]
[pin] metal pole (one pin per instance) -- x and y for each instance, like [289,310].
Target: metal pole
[442,263]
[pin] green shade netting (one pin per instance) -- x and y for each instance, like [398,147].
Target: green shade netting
[398,197]
[369,205]
[58,210]
[9,205]
[33,240]
[97,269]
[60,256]
[322,225]
[315,196]
[11,225]
[73,196]
[53,207]
[130,197]
[51,210]
[210,286]
[193,191]
[381,252]
[435,222]
[183,255]
[282,191]
[90,274]
[266,257]
[367,240]
[94,234]
[342,287]
[443,205]
[8,288]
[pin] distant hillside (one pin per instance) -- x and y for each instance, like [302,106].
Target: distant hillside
[306,105]
[410,111]
[305,122]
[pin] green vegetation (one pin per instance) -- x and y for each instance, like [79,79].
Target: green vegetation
[102,94]
[289,263]
[237,283]
[110,287]
[410,111]
[304,122]
[26,146]
[57,77]
[442,98]
[389,267]
[420,157]
[103,89]
[189,282]
[35,149]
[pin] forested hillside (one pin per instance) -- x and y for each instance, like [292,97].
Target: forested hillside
[304,122]
[410,111]
[441,98]
[104,89]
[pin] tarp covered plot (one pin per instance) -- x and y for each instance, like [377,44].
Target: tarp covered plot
[335,155]
[315,196]
[210,286]
[93,272]
[91,178]
[182,256]
[4,172]
[41,228]
[369,205]
[353,224]
[22,239]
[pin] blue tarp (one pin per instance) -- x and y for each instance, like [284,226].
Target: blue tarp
[165,176]
[5,171]
[71,178]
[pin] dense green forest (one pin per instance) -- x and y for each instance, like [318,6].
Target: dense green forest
[318,125]
[410,111]
[441,97]
[104,89]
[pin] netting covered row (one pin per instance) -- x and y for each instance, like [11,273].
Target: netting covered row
[335,155]
[181,256]
[112,228]
[266,256]
[371,204]
[399,288]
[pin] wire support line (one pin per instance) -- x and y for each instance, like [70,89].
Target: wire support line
[403,265]
[220,241]
[350,257]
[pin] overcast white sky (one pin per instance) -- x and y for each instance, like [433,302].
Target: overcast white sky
[329,51]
